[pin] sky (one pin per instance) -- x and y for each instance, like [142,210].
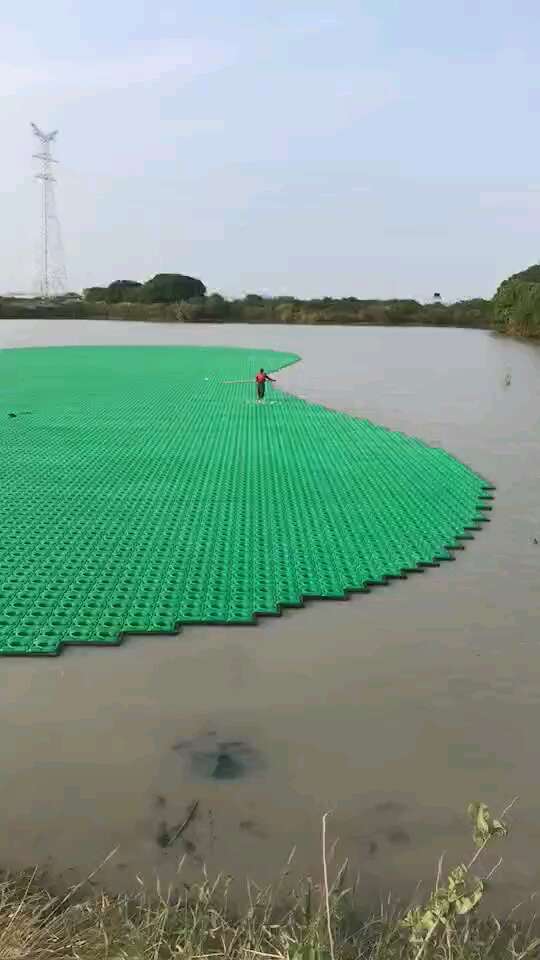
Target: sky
[369,148]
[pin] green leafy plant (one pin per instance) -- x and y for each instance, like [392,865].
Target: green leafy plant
[462,892]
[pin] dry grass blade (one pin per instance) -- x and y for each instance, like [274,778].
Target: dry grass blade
[183,826]
[283,922]
[326,891]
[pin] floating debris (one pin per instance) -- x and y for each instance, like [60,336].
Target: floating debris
[166,837]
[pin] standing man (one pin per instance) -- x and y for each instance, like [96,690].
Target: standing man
[260,380]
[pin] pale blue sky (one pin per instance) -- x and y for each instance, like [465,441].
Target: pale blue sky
[369,148]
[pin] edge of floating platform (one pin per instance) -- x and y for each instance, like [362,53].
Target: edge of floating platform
[348,592]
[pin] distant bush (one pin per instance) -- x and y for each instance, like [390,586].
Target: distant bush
[123,291]
[96,294]
[20,309]
[216,307]
[403,311]
[253,299]
[119,291]
[163,288]
[149,312]
[170,288]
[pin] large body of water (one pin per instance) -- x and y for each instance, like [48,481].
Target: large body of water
[392,709]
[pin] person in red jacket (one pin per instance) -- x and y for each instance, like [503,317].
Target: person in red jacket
[260,380]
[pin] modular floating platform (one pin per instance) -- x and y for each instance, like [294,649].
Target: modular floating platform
[141,492]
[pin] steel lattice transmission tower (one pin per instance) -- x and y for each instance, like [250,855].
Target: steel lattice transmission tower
[52,269]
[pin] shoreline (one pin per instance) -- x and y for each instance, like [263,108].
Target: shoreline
[234,321]
[168,320]
[320,918]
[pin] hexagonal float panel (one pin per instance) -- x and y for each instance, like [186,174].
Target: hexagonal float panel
[141,490]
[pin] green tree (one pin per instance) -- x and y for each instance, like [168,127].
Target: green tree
[96,294]
[529,275]
[403,311]
[123,291]
[171,288]
[516,304]
[216,307]
[517,308]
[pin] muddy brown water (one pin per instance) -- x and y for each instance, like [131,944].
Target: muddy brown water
[392,709]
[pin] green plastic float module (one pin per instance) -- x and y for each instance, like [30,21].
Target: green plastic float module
[141,491]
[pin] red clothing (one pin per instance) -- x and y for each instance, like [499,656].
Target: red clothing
[261,377]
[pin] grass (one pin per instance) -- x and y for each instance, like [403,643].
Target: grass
[199,922]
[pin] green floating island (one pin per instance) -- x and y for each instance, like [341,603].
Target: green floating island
[141,492]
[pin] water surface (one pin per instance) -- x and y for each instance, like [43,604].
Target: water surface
[393,709]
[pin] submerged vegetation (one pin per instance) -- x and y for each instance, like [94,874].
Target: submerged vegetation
[175,298]
[322,921]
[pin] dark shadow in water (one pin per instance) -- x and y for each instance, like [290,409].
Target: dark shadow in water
[253,829]
[398,836]
[210,758]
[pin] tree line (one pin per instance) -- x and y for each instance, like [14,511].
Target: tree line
[185,299]
[174,297]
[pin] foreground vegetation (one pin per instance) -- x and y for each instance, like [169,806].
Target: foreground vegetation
[175,298]
[312,922]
